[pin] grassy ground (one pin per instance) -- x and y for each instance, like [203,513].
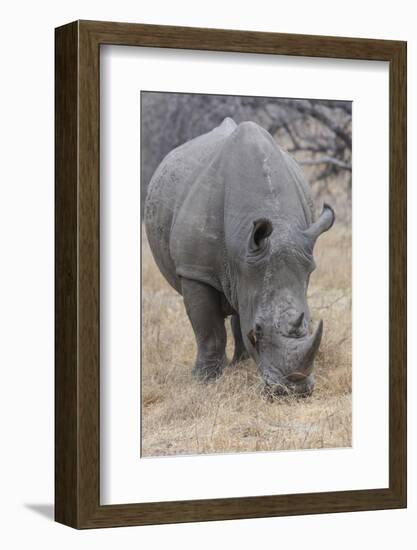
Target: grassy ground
[181,416]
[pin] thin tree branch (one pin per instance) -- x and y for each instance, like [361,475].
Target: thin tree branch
[327,160]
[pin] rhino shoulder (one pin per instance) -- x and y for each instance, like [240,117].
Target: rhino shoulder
[249,134]
[203,142]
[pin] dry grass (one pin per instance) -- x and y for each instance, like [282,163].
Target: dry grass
[181,416]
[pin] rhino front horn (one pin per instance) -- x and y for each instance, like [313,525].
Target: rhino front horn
[313,343]
[306,354]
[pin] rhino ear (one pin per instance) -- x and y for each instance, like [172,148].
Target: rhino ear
[261,230]
[324,223]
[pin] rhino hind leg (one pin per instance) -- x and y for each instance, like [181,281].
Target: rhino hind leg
[203,306]
[240,353]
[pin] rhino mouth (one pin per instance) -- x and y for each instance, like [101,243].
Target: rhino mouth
[293,372]
[302,388]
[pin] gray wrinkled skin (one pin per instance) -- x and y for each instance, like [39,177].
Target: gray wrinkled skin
[230,221]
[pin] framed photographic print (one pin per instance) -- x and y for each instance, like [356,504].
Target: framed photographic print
[230,274]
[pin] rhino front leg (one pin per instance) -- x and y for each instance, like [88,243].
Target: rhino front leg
[240,353]
[203,306]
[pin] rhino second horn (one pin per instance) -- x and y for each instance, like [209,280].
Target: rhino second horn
[313,343]
[298,322]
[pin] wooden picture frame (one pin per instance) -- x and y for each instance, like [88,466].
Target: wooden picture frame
[77,359]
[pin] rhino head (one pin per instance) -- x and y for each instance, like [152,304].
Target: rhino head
[272,294]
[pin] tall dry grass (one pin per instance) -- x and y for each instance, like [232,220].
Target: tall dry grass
[182,416]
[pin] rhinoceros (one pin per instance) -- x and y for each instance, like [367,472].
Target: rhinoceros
[230,221]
